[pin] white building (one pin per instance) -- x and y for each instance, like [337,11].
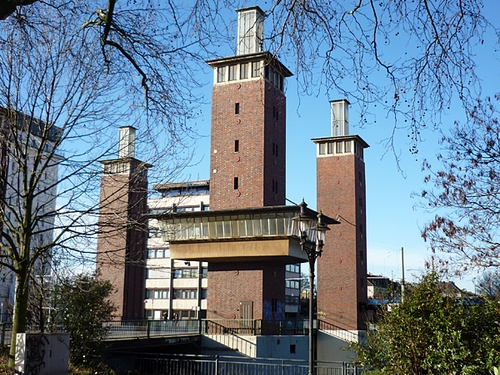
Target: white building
[173,286]
[29,139]
[179,287]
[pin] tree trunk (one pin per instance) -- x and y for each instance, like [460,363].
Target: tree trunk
[20,311]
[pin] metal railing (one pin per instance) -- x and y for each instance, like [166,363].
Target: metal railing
[218,365]
[338,332]
[121,330]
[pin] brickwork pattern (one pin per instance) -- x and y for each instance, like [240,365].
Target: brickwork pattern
[342,271]
[231,283]
[259,128]
[122,240]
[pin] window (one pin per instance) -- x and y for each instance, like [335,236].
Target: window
[338,147]
[158,253]
[221,74]
[293,268]
[236,108]
[293,284]
[255,69]
[276,113]
[185,293]
[275,186]
[232,72]
[157,293]
[321,148]
[236,146]
[186,273]
[330,148]
[244,71]
[235,183]
[275,149]
[347,146]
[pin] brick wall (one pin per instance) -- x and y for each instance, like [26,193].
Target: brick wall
[341,275]
[121,242]
[263,283]
[260,131]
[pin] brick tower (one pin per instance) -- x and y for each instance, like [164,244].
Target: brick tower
[122,237]
[341,194]
[247,164]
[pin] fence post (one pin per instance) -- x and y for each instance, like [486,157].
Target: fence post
[148,328]
[216,371]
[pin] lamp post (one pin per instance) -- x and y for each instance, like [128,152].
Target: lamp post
[312,239]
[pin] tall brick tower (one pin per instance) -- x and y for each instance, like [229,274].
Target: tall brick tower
[248,132]
[247,164]
[341,194]
[122,237]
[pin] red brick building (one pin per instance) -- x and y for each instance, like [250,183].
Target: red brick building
[247,162]
[341,194]
[122,236]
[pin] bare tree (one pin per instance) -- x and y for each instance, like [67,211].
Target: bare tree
[59,110]
[488,285]
[465,189]
[409,57]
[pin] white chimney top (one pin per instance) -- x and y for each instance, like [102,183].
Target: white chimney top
[340,117]
[126,142]
[250,30]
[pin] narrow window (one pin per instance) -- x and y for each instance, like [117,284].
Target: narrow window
[330,148]
[236,108]
[338,147]
[292,348]
[321,148]
[255,69]
[221,74]
[244,71]
[347,146]
[235,183]
[232,72]
[237,146]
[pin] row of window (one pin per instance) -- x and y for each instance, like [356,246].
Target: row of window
[189,273]
[158,253]
[176,314]
[183,192]
[177,294]
[248,70]
[293,268]
[340,147]
[269,224]
[178,273]
[239,71]
[293,284]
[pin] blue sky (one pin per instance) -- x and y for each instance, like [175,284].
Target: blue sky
[393,221]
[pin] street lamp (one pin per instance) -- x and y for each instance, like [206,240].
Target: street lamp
[312,232]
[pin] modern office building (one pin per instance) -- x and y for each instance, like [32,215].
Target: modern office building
[34,137]
[175,288]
